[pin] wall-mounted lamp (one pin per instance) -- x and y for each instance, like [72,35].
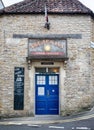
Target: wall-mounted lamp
[65,63]
[29,64]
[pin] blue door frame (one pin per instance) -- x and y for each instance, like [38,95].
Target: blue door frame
[47,94]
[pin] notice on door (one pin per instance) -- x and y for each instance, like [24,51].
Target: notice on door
[41,91]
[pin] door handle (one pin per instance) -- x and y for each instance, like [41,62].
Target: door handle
[48,93]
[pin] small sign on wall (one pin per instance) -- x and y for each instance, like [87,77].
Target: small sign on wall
[18,88]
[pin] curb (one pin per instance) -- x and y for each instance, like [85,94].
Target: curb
[46,122]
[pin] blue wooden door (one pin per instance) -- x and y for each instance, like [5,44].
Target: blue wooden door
[47,94]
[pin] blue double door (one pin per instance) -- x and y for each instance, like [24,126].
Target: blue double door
[47,94]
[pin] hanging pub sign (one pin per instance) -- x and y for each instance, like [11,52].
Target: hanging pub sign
[47,48]
[18,88]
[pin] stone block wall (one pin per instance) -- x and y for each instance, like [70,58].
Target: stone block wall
[78,81]
[92,55]
[15,53]
[93,30]
[78,85]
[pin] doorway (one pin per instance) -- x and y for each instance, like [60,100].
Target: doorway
[47,91]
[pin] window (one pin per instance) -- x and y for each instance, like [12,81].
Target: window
[41,80]
[53,80]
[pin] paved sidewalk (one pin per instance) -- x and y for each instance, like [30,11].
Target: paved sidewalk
[46,119]
[32,120]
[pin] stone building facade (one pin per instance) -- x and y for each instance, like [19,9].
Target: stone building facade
[22,27]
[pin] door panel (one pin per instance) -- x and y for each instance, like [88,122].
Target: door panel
[53,107]
[41,107]
[47,93]
[53,98]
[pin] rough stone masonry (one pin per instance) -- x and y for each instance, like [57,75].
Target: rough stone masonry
[77,91]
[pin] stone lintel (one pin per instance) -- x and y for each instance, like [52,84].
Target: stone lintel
[49,36]
[47,58]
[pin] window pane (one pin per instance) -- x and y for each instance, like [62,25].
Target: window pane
[41,80]
[53,80]
[53,70]
[40,70]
